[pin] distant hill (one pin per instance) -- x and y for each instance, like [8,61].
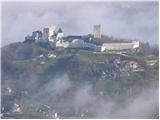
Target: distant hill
[27,67]
[18,59]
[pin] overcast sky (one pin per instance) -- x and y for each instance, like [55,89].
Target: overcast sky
[135,20]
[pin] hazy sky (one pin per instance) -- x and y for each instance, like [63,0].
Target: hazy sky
[118,19]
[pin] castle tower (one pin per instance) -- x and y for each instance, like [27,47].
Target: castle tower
[48,33]
[97,31]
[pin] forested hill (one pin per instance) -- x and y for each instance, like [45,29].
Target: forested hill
[39,72]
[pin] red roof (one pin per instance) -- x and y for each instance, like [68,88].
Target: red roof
[132,62]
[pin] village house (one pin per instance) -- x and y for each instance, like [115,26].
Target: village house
[8,90]
[133,64]
[16,108]
[51,55]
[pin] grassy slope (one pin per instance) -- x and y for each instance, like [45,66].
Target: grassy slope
[22,73]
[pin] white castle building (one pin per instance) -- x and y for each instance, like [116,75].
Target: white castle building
[55,37]
[119,46]
[78,43]
[50,34]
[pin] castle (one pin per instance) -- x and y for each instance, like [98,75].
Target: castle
[55,37]
[50,34]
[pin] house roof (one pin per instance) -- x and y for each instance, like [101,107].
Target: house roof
[72,37]
[59,30]
[132,62]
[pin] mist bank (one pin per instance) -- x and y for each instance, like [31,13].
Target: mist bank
[71,100]
[133,20]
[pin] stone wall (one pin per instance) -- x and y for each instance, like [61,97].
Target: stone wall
[120,46]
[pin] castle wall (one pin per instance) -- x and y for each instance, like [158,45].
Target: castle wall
[120,46]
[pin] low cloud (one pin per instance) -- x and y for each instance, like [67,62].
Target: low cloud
[62,94]
[118,19]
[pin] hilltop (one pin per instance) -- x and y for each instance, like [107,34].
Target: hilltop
[29,67]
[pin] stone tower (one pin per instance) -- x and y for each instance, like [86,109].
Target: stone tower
[48,32]
[97,31]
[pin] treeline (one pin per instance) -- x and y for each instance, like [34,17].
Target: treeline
[146,49]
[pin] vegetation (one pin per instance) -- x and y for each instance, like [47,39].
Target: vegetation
[22,71]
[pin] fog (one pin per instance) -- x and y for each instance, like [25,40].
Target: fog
[82,101]
[134,20]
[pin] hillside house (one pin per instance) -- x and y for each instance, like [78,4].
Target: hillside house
[133,64]
[16,108]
